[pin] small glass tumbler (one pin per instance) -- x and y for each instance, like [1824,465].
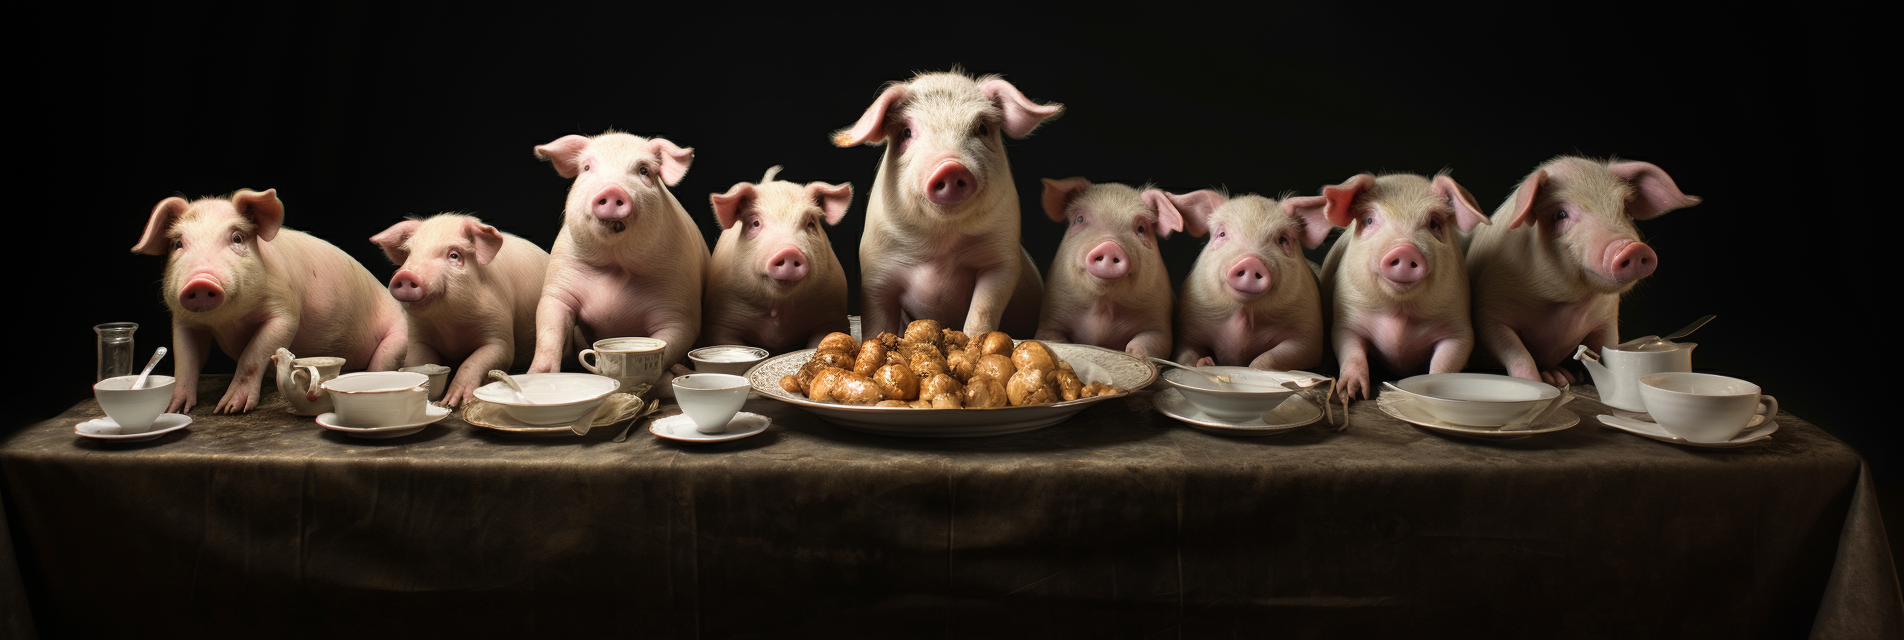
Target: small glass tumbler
[115,349]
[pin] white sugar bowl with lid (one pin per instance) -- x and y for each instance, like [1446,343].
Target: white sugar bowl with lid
[1618,368]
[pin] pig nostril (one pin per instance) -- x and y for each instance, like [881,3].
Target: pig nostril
[602,201]
[1411,265]
[1258,276]
[617,203]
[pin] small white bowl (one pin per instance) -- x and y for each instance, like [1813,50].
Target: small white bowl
[711,399]
[378,398]
[1252,392]
[554,398]
[134,410]
[1477,399]
[732,359]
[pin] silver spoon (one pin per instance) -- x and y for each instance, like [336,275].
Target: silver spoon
[652,406]
[1648,341]
[156,357]
[504,377]
[1212,376]
[586,422]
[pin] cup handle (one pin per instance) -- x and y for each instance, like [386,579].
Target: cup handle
[310,385]
[1770,406]
[583,358]
[1582,353]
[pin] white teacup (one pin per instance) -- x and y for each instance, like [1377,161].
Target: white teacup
[439,378]
[710,399]
[631,361]
[379,398]
[134,410]
[1702,407]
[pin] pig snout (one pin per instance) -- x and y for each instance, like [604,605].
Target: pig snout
[1629,262]
[1107,261]
[1404,265]
[789,264]
[201,294]
[611,204]
[950,184]
[406,286]
[1249,276]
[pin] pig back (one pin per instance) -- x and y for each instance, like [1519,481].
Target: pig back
[342,310]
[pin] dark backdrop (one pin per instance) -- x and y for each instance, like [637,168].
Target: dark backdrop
[360,118]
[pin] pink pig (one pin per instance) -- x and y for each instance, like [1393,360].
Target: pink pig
[235,275]
[1549,274]
[942,225]
[628,261]
[1252,298]
[1395,281]
[469,292]
[774,281]
[1109,286]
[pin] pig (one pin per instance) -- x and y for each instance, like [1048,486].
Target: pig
[1397,289]
[942,226]
[235,275]
[1549,273]
[628,261]
[1252,298]
[1109,286]
[774,281]
[469,293]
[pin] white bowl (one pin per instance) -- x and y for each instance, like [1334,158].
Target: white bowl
[1251,392]
[730,359]
[710,399]
[134,410]
[554,398]
[378,398]
[1477,399]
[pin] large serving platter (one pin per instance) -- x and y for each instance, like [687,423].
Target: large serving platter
[1092,364]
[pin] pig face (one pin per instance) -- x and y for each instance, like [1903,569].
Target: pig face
[1403,228]
[436,255]
[1585,209]
[778,224]
[945,132]
[618,178]
[1255,242]
[1113,230]
[212,245]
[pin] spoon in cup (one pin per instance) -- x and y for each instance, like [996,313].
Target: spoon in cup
[156,357]
[513,385]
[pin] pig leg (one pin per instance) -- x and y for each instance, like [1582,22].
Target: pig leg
[1192,353]
[1353,379]
[1149,344]
[242,395]
[879,308]
[1288,355]
[554,320]
[475,369]
[1451,355]
[420,354]
[389,353]
[1507,347]
[192,346]
[989,298]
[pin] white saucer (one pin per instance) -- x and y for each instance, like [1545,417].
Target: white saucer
[1639,424]
[431,414]
[106,429]
[1401,408]
[680,428]
[1292,413]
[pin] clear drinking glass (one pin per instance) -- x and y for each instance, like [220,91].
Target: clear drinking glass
[115,349]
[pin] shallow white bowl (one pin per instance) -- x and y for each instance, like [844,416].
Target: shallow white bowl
[554,398]
[1253,391]
[1477,399]
[732,359]
[378,398]
[134,410]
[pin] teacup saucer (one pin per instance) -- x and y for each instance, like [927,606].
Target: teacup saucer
[1292,413]
[680,428]
[1401,408]
[431,414]
[1637,424]
[106,429]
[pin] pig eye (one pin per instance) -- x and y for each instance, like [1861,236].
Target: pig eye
[1142,228]
[1434,225]
[1369,221]
[178,245]
[756,224]
[1560,215]
[1080,219]
[585,167]
[643,169]
[982,130]
[455,256]
[1222,234]
[907,134]
[237,238]
[1282,240]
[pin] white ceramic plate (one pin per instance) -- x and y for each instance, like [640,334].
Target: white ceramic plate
[106,429]
[431,414]
[680,428]
[1478,400]
[1402,408]
[615,408]
[1292,413]
[1636,424]
[1093,365]
[560,398]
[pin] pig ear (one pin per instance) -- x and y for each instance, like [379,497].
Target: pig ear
[1654,192]
[1021,114]
[1466,212]
[1060,193]
[163,215]
[833,200]
[1341,199]
[1312,212]
[1168,217]
[565,153]
[871,128]
[488,240]
[674,159]
[727,206]
[392,240]
[1524,198]
[263,207]
[1196,207]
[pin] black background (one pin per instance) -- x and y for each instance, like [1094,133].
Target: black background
[359,118]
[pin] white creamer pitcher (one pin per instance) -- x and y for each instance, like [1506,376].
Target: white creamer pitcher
[298,380]
[1616,371]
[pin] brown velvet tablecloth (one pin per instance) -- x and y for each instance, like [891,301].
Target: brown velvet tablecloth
[1119,523]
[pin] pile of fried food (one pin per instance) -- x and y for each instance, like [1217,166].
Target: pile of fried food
[936,368]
